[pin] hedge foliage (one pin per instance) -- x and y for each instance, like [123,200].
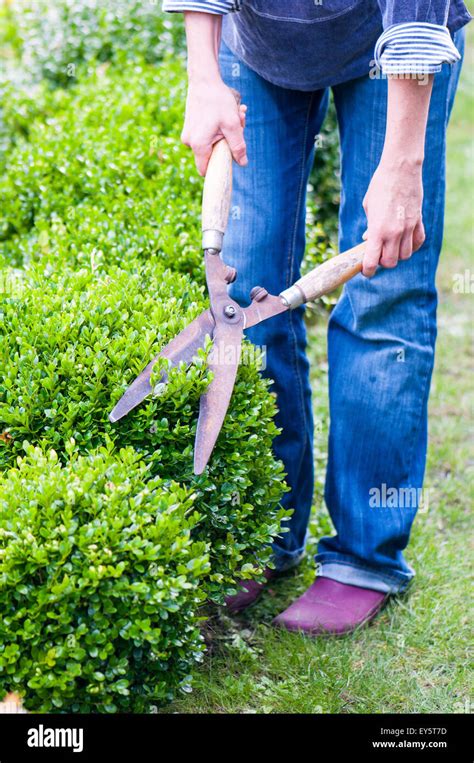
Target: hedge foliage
[103,166]
[70,343]
[100,266]
[98,582]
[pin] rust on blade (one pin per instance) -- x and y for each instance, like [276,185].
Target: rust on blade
[224,360]
[182,348]
[231,320]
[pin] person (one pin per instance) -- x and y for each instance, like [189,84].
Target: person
[393,67]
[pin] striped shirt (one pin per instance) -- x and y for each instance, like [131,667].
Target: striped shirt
[325,42]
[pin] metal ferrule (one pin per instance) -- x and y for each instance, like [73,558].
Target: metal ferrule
[212,239]
[293,297]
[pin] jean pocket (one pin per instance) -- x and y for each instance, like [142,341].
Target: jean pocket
[300,11]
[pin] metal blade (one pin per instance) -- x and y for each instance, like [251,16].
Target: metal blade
[182,348]
[224,360]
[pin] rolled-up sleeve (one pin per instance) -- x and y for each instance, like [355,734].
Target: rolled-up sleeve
[416,39]
[219,7]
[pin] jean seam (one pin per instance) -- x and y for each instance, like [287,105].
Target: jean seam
[291,257]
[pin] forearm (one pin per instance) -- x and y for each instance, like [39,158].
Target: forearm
[203,35]
[212,111]
[393,202]
[407,116]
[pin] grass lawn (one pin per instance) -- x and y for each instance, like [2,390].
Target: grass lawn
[414,657]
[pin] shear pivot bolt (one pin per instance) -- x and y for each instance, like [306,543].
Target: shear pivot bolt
[229,311]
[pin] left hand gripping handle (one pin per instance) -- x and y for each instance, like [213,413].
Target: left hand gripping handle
[217,194]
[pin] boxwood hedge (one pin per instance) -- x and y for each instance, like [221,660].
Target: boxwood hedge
[98,583]
[99,242]
[69,345]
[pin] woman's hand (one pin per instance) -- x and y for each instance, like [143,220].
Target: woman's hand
[393,202]
[212,113]
[393,205]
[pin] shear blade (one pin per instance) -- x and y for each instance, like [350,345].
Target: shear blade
[224,361]
[182,348]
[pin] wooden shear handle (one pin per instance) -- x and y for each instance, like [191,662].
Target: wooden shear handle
[325,278]
[217,193]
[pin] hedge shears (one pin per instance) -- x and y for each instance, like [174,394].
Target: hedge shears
[225,321]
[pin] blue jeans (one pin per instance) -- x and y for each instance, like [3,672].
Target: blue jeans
[381,335]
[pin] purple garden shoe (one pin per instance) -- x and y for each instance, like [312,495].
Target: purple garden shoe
[329,607]
[251,591]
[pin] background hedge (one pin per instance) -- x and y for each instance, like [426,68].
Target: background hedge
[102,165]
[57,40]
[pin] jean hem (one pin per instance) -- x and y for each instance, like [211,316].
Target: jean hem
[286,560]
[351,572]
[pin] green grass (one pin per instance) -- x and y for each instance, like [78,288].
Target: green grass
[414,658]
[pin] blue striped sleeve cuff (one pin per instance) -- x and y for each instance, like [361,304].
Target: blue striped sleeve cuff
[219,7]
[415,48]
